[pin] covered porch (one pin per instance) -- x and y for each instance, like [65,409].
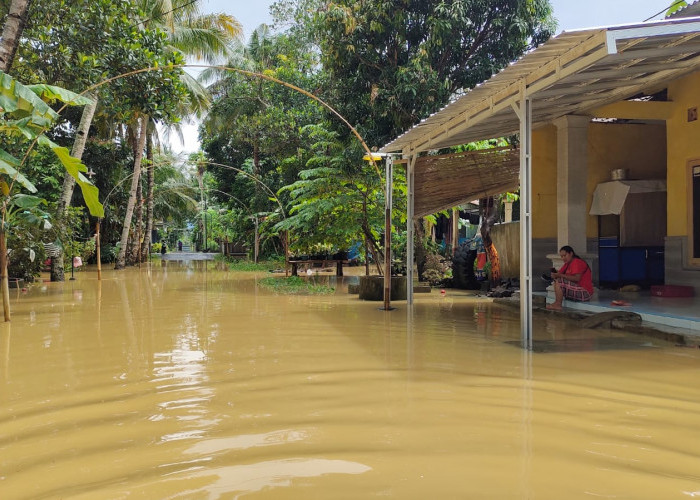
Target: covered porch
[551,96]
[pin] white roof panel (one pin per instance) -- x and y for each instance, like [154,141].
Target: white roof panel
[571,73]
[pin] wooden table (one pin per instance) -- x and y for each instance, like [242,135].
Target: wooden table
[338,264]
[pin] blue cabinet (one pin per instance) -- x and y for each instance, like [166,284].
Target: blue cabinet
[629,265]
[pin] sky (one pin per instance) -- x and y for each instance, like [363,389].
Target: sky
[570,15]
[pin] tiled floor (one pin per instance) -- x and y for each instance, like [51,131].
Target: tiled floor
[679,312]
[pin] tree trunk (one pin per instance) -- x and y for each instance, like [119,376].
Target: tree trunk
[490,214]
[11,33]
[138,156]
[370,244]
[134,256]
[421,252]
[81,135]
[150,180]
[57,268]
[4,283]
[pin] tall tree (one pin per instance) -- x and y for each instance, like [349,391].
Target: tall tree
[14,25]
[393,62]
[140,144]
[333,202]
[150,185]
[254,124]
[198,36]
[55,51]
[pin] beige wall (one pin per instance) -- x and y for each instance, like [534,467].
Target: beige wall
[639,148]
[683,145]
[506,239]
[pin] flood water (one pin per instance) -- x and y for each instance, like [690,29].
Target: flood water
[184,382]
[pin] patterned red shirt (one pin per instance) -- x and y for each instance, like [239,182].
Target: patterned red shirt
[576,266]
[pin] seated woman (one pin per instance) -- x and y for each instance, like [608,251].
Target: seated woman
[573,281]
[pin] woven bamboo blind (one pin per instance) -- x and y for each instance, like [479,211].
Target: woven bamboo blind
[446,181]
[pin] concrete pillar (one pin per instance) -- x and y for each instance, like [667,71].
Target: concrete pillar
[572,179]
[508,215]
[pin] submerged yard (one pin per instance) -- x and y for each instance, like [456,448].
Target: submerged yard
[188,381]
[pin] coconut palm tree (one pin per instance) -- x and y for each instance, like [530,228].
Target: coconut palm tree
[202,37]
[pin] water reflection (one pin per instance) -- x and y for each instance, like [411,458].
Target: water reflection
[213,446]
[276,473]
[173,382]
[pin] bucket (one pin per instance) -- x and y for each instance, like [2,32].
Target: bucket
[618,174]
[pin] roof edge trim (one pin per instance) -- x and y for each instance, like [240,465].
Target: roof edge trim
[613,35]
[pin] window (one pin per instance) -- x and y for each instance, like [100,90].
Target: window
[694,212]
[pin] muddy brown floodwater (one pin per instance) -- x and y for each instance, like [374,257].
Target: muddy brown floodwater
[187,382]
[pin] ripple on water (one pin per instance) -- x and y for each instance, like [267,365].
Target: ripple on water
[178,383]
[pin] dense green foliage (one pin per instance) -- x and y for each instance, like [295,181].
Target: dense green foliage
[294,285]
[391,63]
[383,65]
[276,164]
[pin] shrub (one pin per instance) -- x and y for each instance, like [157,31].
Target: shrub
[437,269]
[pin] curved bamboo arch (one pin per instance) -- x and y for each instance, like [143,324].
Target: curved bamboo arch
[254,74]
[243,72]
[250,176]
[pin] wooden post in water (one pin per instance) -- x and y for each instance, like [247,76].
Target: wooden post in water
[455,229]
[286,254]
[4,283]
[257,240]
[97,249]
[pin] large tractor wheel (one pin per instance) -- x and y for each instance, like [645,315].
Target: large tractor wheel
[463,268]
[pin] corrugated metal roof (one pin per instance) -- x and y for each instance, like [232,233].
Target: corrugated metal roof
[571,73]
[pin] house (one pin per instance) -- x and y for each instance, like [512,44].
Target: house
[589,104]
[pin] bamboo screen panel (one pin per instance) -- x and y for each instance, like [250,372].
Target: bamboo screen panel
[446,181]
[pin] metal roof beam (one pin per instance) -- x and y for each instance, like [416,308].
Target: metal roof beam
[629,71]
[562,90]
[646,53]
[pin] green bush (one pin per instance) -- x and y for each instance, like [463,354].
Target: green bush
[20,264]
[437,269]
[108,253]
[295,285]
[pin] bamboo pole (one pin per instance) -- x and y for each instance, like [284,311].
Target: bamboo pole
[3,276]
[286,254]
[257,240]
[97,248]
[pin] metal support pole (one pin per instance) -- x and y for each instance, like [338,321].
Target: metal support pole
[525,115]
[410,211]
[387,233]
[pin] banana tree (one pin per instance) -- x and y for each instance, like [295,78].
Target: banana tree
[25,116]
